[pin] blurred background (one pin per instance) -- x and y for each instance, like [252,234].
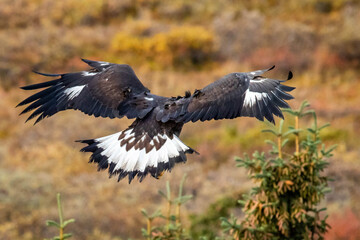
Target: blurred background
[173,46]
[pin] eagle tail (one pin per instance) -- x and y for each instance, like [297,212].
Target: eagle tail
[136,152]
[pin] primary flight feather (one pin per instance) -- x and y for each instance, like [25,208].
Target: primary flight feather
[151,143]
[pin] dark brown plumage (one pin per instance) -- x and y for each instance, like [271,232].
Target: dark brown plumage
[151,144]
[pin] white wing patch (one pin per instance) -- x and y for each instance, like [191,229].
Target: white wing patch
[103,63]
[74,91]
[138,159]
[86,73]
[258,80]
[252,97]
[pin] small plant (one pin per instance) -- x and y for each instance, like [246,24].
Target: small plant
[61,224]
[206,225]
[173,228]
[290,186]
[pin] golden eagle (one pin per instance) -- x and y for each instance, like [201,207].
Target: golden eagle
[151,143]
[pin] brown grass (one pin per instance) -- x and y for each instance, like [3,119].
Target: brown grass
[318,44]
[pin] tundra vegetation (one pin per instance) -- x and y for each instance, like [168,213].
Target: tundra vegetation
[176,46]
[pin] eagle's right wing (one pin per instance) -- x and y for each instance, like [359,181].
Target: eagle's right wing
[234,95]
[107,90]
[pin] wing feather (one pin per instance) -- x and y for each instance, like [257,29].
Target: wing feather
[234,95]
[107,90]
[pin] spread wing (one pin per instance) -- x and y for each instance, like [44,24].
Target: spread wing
[107,90]
[265,97]
[234,95]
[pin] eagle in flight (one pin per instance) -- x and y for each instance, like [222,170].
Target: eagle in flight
[151,143]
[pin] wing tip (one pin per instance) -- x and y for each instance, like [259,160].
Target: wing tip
[290,76]
[86,141]
[28,87]
[87,61]
[43,84]
[99,65]
[19,105]
[271,68]
[41,117]
[46,74]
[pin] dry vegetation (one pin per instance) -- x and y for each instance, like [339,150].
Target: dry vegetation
[173,46]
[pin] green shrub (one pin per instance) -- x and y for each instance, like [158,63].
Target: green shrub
[283,205]
[173,229]
[207,224]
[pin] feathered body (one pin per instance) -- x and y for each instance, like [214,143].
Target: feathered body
[151,143]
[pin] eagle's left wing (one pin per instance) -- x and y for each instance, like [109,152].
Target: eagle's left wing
[234,95]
